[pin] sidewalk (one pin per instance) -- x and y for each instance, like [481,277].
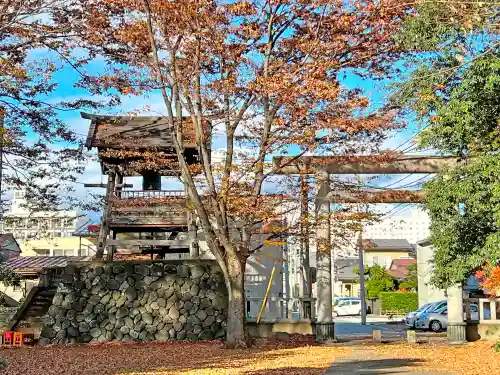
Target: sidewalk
[361,363]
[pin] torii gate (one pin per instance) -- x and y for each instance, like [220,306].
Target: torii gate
[321,167]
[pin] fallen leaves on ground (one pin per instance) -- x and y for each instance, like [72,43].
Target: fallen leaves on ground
[467,359]
[295,357]
[171,358]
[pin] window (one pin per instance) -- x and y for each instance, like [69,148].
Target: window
[16,286]
[69,222]
[32,223]
[42,252]
[57,234]
[355,302]
[69,252]
[58,252]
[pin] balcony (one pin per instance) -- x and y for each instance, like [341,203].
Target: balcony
[147,194]
[148,208]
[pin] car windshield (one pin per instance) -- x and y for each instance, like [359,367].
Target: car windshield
[437,306]
[339,301]
[441,309]
[424,307]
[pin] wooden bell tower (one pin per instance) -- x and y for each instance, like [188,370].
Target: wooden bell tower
[151,220]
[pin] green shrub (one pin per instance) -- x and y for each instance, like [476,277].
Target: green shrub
[496,347]
[3,363]
[398,303]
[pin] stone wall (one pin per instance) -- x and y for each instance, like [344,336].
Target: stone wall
[156,300]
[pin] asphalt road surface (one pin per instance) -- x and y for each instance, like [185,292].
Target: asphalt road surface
[350,327]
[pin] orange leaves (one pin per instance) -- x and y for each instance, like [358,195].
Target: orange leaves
[148,202]
[298,356]
[135,34]
[489,277]
[241,8]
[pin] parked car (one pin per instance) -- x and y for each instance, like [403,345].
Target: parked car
[411,316]
[437,320]
[349,306]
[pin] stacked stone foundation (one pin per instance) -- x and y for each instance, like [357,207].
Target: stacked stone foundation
[169,300]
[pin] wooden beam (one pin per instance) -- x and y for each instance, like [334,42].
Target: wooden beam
[126,243]
[372,164]
[377,196]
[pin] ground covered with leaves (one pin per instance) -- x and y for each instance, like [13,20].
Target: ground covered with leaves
[469,359]
[206,358]
[171,358]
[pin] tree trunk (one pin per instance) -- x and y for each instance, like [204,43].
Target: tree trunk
[236,329]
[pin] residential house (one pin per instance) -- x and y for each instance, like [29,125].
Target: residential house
[383,252]
[59,246]
[346,281]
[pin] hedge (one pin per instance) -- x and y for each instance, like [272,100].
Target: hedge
[398,302]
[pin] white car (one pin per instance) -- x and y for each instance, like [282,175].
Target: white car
[347,307]
[438,320]
[411,317]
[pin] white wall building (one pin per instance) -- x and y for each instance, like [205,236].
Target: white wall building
[411,225]
[27,225]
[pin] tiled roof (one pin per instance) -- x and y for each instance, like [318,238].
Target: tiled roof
[344,268]
[9,243]
[399,267]
[26,264]
[386,244]
[403,262]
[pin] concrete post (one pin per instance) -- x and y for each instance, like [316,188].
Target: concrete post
[377,335]
[411,336]
[324,326]
[456,326]
[305,282]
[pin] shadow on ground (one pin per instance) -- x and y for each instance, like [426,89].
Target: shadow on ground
[365,367]
[375,366]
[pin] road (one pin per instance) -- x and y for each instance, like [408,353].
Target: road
[351,327]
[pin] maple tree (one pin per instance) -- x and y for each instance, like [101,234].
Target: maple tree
[489,278]
[40,153]
[269,77]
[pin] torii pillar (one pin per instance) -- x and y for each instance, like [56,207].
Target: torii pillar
[325,328]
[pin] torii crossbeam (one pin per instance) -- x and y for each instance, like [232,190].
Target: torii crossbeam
[363,164]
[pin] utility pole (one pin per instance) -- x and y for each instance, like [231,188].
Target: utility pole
[361,267]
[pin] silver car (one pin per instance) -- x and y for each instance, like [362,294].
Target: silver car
[437,320]
[412,316]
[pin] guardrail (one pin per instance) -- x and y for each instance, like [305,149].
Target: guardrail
[482,310]
[281,308]
[133,194]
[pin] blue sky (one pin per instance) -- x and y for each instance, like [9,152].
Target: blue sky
[66,77]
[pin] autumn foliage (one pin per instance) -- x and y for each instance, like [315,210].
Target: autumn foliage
[489,278]
[270,76]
